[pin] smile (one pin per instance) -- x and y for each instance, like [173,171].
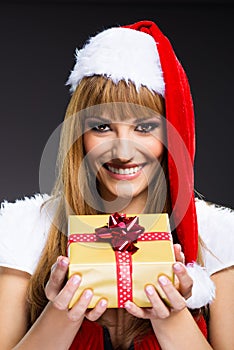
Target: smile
[124,171]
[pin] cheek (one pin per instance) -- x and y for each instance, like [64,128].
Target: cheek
[155,148]
[88,142]
[92,145]
[95,147]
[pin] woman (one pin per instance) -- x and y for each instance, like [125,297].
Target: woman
[117,152]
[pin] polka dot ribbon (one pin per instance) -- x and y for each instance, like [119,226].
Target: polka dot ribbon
[91,237]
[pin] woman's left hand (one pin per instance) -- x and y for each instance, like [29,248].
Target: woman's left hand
[176,294]
[183,282]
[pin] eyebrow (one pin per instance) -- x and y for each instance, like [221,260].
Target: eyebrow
[139,120]
[106,121]
[135,121]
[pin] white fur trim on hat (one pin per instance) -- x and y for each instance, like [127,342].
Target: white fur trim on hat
[120,54]
[203,290]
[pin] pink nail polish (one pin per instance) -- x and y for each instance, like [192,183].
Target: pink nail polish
[64,262]
[150,290]
[177,267]
[76,279]
[88,293]
[103,303]
[127,305]
[163,280]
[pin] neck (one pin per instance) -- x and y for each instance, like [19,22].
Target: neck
[135,206]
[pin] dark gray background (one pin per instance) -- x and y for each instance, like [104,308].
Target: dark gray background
[37,52]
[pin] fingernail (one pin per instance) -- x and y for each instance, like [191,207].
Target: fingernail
[88,293]
[127,305]
[163,280]
[64,262]
[178,246]
[177,267]
[103,303]
[76,279]
[150,290]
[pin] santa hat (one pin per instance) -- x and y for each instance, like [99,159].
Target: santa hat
[140,53]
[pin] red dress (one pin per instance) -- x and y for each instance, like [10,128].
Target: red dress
[91,337]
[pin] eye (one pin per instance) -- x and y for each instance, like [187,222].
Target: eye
[99,127]
[147,127]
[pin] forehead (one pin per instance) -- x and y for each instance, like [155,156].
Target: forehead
[119,112]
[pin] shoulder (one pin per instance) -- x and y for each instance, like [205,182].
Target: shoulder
[216,229]
[24,226]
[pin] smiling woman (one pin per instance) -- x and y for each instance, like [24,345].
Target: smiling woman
[124,156]
[111,117]
[127,144]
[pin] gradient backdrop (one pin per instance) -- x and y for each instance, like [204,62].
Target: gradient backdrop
[37,52]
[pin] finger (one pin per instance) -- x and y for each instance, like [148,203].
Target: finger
[57,276]
[136,311]
[176,300]
[62,300]
[185,281]
[77,312]
[159,307]
[179,255]
[99,309]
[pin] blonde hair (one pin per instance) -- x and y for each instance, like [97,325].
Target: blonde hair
[92,91]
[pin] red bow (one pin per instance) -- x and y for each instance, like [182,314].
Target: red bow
[121,232]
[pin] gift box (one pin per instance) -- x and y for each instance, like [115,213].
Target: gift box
[118,255]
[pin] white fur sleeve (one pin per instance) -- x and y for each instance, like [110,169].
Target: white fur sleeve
[216,228]
[23,231]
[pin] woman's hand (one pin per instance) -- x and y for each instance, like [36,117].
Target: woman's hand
[60,295]
[183,281]
[176,294]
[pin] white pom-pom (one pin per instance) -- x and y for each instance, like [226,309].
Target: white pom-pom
[203,290]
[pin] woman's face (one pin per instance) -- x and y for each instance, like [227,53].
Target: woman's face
[124,156]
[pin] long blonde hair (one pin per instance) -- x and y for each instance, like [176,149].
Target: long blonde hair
[91,91]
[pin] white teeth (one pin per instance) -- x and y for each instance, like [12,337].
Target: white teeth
[126,171]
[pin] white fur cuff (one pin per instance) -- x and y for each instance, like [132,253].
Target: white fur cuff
[203,290]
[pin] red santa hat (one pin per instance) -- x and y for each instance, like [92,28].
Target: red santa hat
[140,53]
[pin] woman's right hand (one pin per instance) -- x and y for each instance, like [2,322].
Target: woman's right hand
[57,325]
[60,296]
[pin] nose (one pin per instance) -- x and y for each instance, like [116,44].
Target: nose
[123,149]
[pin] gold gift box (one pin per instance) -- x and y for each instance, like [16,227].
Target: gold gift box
[96,262]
